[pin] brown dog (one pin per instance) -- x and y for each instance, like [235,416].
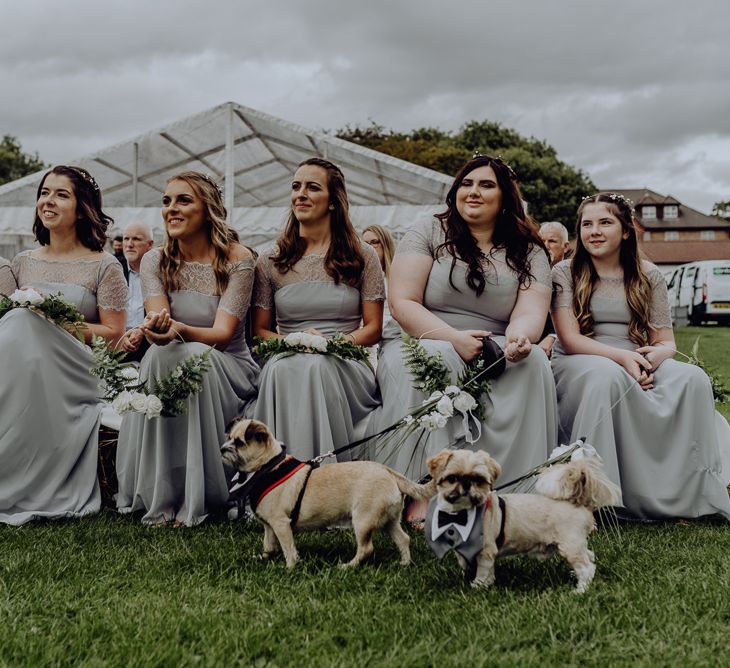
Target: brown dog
[558,518]
[367,495]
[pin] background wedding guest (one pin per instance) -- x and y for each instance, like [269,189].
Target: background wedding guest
[650,417]
[137,241]
[475,270]
[197,290]
[381,241]
[319,278]
[7,279]
[49,413]
[118,252]
[555,237]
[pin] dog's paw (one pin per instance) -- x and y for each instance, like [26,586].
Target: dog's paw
[266,556]
[482,584]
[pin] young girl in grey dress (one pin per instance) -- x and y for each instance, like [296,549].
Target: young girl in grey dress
[650,417]
[322,279]
[197,290]
[7,279]
[49,402]
[477,269]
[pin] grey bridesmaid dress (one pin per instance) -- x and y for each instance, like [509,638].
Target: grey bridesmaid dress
[661,445]
[170,467]
[520,426]
[49,402]
[7,278]
[310,401]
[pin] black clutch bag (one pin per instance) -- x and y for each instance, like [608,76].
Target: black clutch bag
[493,357]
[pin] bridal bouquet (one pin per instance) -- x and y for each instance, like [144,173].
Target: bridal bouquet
[127,394]
[303,342]
[51,307]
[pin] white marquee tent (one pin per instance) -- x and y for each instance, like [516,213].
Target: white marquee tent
[252,155]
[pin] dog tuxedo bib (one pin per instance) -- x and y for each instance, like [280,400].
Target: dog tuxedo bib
[461,531]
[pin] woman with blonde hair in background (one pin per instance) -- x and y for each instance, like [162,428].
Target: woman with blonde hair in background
[197,290]
[7,278]
[381,241]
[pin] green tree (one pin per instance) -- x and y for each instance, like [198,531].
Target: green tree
[552,188]
[722,209]
[14,163]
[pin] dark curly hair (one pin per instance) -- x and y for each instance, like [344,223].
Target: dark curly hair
[344,260]
[92,222]
[515,231]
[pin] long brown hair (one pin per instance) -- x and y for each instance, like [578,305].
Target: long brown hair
[514,230]
[636,284]
[92,222]
[219,234]
[344,260]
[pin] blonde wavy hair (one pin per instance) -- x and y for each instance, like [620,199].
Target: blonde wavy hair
[636,284]
[220,235]
[386,241]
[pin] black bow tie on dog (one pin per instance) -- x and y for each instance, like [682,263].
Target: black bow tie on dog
[459,518]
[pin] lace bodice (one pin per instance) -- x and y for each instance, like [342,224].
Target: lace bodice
[102,277]
[425,239]
[612,289]
[199,277]
[7,278]
[311,269]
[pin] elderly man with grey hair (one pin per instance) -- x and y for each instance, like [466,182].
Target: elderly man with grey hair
[555,237]
[137,240]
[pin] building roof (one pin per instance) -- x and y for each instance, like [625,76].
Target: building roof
[688,218]
[256,151]
[679,252]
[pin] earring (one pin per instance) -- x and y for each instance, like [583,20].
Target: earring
[332,207]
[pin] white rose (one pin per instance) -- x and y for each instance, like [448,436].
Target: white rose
[29,296]
[452,390]
[319,343]
[435,395]
[464,402]
[408,419]
[307,340]
[154,406]
[122,402]
[130,374]
[426,422]
[138,402]
[294,339]
[445,407]
[560,450]
[439,420]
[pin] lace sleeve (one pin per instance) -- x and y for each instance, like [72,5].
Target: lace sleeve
[562,286]
[373,282]
[540,267]
[7,278]
[148,271]
[237,296]
[111,291]
[659,315]
[421,239]
[263,285]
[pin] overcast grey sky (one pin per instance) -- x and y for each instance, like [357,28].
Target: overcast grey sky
[634,92]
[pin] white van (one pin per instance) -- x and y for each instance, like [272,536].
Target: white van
[700,291]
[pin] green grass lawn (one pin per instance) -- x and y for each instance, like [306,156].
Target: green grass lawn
[108,591]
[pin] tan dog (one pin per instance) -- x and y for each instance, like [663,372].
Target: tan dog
[558,518]
[366,494]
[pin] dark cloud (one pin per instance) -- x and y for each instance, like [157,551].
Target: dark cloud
[635,93]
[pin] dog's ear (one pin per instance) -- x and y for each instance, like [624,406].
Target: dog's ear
[438,462]
[257,431]
[231,424]
[492,465]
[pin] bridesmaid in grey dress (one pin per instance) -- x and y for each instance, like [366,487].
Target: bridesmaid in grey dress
[197,290]
[477,269]
[7,279]
[50,411]
[320,278]
[651,418]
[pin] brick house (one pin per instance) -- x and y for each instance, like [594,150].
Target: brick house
[672,233]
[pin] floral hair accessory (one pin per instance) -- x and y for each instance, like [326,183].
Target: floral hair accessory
[616,198]
[85,176]
[498,159]
[214,183]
